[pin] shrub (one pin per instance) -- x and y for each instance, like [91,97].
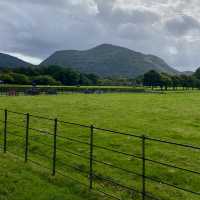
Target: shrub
[45,80]
[6,78]
[20,79]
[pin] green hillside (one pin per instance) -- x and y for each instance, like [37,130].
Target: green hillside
[11,61]
[109,60]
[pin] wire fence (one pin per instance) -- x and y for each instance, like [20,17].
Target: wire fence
[103,159]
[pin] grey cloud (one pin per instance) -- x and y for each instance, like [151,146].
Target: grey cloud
[37,32]
[138,32]
[38,28]
[181,25]
[116,15]
[135,16]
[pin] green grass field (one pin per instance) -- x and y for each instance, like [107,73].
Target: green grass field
[172,116]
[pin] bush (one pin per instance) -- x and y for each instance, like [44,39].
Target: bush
[45,80]
[6,78]
[67,77]
[20,79]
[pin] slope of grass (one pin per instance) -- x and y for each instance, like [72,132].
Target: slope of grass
[173,116]
[21,182]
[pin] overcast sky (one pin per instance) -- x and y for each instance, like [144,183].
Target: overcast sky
[34,29]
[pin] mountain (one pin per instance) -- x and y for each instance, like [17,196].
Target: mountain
[109,60]
[12,62]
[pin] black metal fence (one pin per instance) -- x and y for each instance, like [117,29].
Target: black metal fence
[100,159]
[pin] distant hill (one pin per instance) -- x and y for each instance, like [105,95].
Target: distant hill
[188,73]
[109,60]
[12,62]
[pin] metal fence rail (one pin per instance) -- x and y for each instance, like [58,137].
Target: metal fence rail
[90,173]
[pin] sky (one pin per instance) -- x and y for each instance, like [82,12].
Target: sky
[34,29]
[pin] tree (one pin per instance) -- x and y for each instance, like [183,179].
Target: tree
[29,71]
[175,82]
[84,80]
[165,81]
[45,80]
[152,78]
[94,79]
[67,77]
[50,70]
[20,79]
[191,82]
[197,73]
[184,81]
[6,78]
[196,82]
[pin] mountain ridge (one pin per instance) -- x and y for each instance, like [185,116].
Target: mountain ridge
[103,60]
[7,60]
[109,60]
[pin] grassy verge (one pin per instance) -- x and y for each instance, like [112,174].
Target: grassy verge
[21,182]
[173,116]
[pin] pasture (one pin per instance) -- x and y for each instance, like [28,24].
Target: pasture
[173,116]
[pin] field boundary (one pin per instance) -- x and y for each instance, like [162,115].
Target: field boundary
[92,176]
[52,90]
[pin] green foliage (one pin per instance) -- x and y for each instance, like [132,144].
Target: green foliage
[67,76]
[197,73]
[165,81]
[45,80]
[6,78]
[14,78]
[175,82]
[152,78]
[84,80]
[51,75]
[93,78]
[20,79]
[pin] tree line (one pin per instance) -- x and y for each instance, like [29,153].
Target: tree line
[50,75]
[163,80]
[57,75]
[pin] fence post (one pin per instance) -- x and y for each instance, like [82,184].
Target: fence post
[91,156]
[143,168]
[5,130]
[27,137]
[54,147]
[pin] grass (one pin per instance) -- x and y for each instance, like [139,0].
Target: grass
[22,182]
[172,116]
